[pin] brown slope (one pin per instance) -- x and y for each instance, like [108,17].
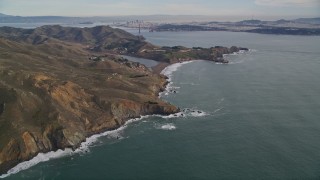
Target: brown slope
[52,97]
[99,37]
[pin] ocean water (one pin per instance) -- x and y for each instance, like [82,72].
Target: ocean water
[255,118]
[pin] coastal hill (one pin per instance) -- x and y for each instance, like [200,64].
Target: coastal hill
[53,97]
[4,15]
[98,38]
[59,85]
[107,40]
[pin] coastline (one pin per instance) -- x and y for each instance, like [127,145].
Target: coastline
[146,110]
[69,100]
[163,69]
[162,65]
[84,146]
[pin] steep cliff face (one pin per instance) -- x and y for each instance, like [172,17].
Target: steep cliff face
[64,117]
[54,101]
[59,85]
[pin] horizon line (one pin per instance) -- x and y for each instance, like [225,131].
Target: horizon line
[135,15]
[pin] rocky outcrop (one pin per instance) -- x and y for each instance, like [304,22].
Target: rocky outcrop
[179,53]
[48,104]
[56,90]
[73,113]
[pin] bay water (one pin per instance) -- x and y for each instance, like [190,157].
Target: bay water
[255,118]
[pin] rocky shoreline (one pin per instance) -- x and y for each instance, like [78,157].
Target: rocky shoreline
[34,143]
[60,85]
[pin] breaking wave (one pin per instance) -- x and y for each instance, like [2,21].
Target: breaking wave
[168,127]
[187,112]
[172,68]
[83,148]
[241,52]
[168,71]
[90,141]
[41,157]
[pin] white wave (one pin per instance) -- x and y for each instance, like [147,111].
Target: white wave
[168,72]
[41,157]
[198,114]
[195,112]
[176,115]
[90,141]
[168,127]
[187,112]
[241,52]
[172,68]
[83,148]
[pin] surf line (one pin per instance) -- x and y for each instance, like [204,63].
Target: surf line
[168,71]
[85,146]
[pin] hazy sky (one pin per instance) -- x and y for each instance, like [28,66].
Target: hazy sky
[243,8]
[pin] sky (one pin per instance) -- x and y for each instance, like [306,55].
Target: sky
[235,8]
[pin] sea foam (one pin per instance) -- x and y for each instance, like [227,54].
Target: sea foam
[83,148]
[168,71]
[241,52]
[90,141]
[168,127]
[41,157]
[172,68]
[186,112]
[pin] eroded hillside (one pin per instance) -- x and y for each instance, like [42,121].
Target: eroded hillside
[59,85]
[52,96]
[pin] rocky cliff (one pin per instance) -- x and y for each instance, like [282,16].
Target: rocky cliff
[59,85]
[53,97]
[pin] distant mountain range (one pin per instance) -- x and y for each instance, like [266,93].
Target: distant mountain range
[283,21]
[309,20]
[3,15]
[63,19]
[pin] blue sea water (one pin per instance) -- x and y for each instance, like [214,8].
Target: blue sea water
[259,118]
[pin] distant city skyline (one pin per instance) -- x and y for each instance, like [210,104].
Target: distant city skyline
[226,8]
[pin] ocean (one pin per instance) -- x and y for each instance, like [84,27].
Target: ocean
[257,117]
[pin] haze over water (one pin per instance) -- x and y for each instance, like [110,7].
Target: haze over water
[262,118]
